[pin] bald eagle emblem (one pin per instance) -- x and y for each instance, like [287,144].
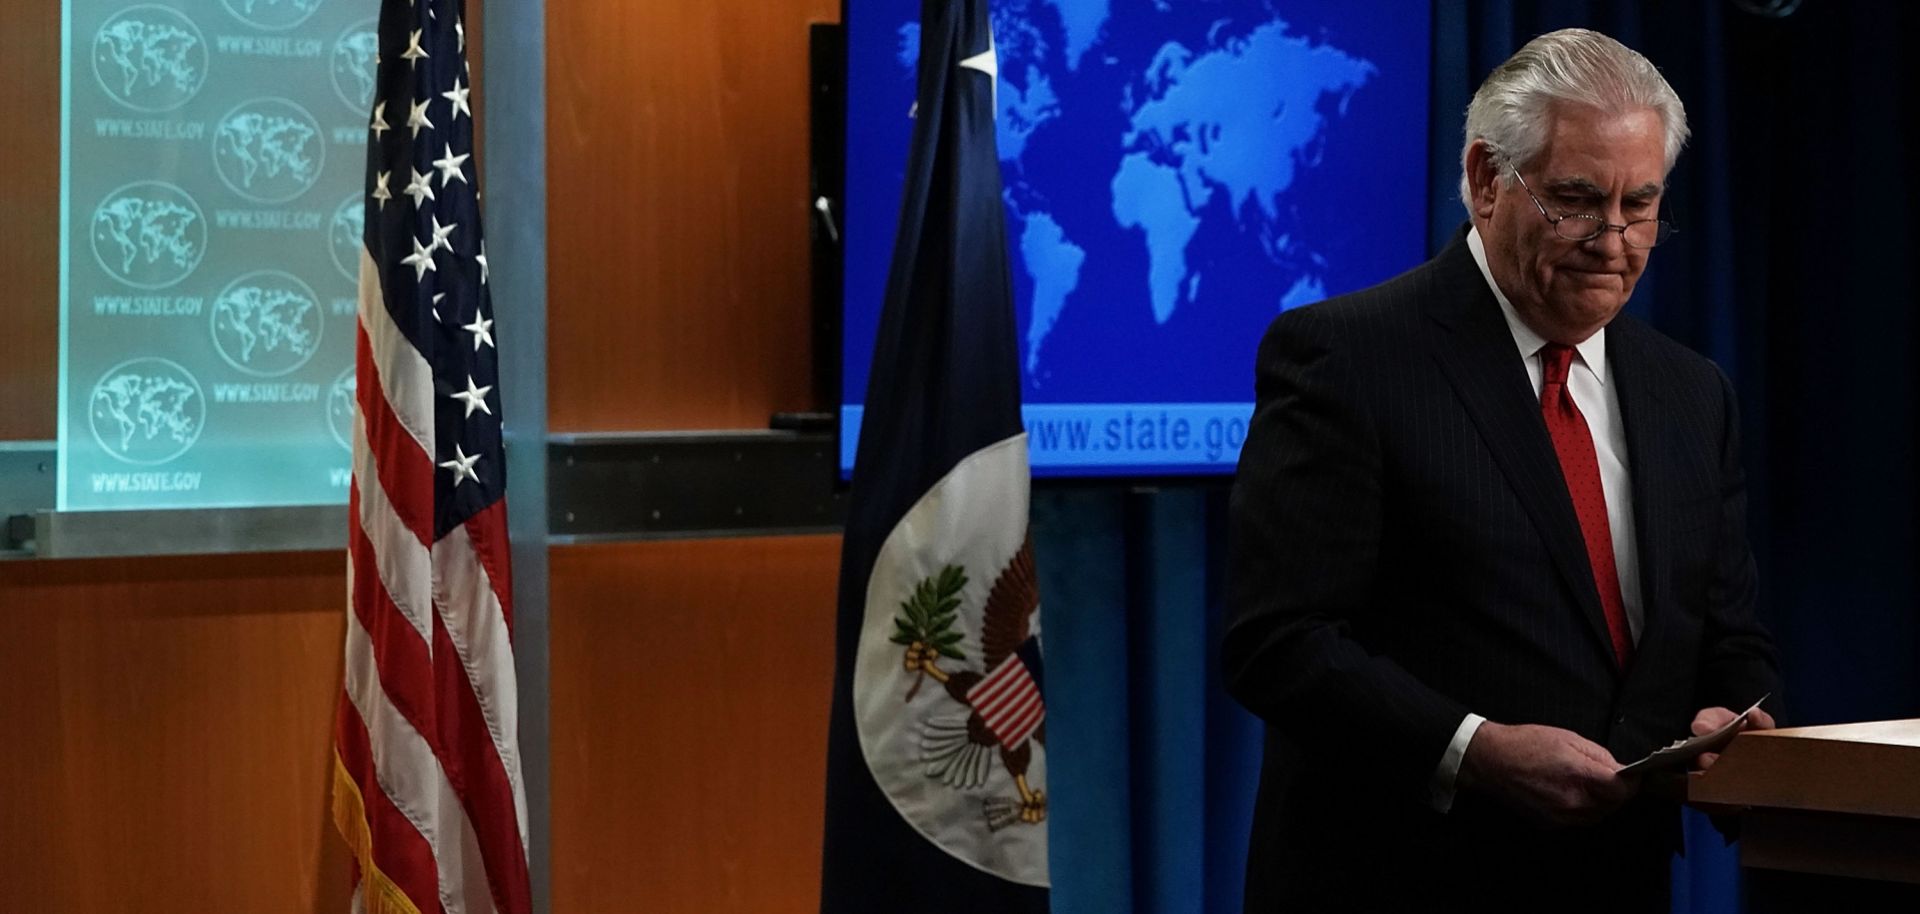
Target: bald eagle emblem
[997,710]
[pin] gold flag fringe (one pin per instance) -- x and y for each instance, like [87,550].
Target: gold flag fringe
[350,818]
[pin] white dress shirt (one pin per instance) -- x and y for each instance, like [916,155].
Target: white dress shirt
[1599,403]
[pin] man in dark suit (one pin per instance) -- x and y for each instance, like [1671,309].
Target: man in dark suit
[1488,535]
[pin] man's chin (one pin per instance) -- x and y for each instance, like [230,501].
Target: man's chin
[1581,315]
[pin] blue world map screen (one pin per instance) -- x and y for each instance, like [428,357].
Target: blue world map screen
[1176,174]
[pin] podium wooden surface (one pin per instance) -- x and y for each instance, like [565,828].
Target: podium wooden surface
[1841,800]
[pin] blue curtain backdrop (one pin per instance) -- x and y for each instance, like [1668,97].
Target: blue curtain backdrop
[1800,226]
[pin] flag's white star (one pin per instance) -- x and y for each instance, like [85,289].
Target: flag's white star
[458,99]
[481,259]
[417,118]
[482,330]
[380,192]
[473,397]
[460,29]
[380,124]
[414,51]
[440,233]
[462,466]
[435,310]
[987,62]
[449,166]
[421,260]
[420,188]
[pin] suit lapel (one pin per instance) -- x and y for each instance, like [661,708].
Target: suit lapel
[1477,355]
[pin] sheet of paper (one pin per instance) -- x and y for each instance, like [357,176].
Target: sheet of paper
[1680,752]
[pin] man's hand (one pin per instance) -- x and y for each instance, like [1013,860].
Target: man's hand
[1553,774]
[1711,719]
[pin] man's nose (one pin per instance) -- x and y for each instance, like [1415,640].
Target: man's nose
[1611,243]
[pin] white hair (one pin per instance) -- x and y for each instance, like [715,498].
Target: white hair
[1513,109]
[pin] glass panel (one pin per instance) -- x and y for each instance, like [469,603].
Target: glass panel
[213,157]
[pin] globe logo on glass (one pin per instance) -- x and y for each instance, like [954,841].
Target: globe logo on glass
[341,398]
[355,54]
[146,411]
[266,323]
[272,15]
[269,150]
[150,58]
[346,233]
[148,234]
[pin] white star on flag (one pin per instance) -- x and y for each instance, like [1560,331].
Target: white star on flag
[420,188]
[380,191]
[417,118]
[380,125]
[482,330]
[421,260]
[458,98]
[449,166]
[440,233]
[473,397]
[462,466]
[987,62]
[414,52]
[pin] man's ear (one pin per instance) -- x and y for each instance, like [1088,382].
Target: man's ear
[1483,170]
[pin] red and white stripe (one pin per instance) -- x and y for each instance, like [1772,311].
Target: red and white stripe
[428,721]
[1008,701]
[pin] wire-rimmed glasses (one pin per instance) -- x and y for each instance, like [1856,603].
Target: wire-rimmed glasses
[1640,233]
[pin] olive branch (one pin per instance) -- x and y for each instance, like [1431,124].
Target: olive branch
[926,620]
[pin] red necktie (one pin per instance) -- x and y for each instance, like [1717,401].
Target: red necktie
[1574,443]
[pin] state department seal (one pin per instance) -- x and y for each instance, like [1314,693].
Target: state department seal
[269,150]
[146,411]
[148,234]
[150,58]
[355,56]
[272,15]
[346,234]
[948,683]
[342,397]
[267,323]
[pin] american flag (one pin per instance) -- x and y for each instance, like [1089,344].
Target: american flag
[427,786]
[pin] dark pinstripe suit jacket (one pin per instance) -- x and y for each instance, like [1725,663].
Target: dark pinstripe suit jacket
[1404,550]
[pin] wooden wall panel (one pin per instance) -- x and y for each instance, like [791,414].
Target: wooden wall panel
[168,729]
[690,689]
[677,212]
[29,218]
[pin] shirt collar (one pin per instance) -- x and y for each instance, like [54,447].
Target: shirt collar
[1593,351]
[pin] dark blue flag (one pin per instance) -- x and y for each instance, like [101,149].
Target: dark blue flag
[936,763]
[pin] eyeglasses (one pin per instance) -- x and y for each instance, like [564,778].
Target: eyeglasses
[1640,233]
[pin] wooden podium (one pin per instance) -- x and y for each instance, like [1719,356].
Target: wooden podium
[1842,800]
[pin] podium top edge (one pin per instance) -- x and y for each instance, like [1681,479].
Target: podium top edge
[1904,732]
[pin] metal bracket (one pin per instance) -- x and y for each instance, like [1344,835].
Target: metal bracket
[620,486]
[601,486]
[26,487]
[95,534]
